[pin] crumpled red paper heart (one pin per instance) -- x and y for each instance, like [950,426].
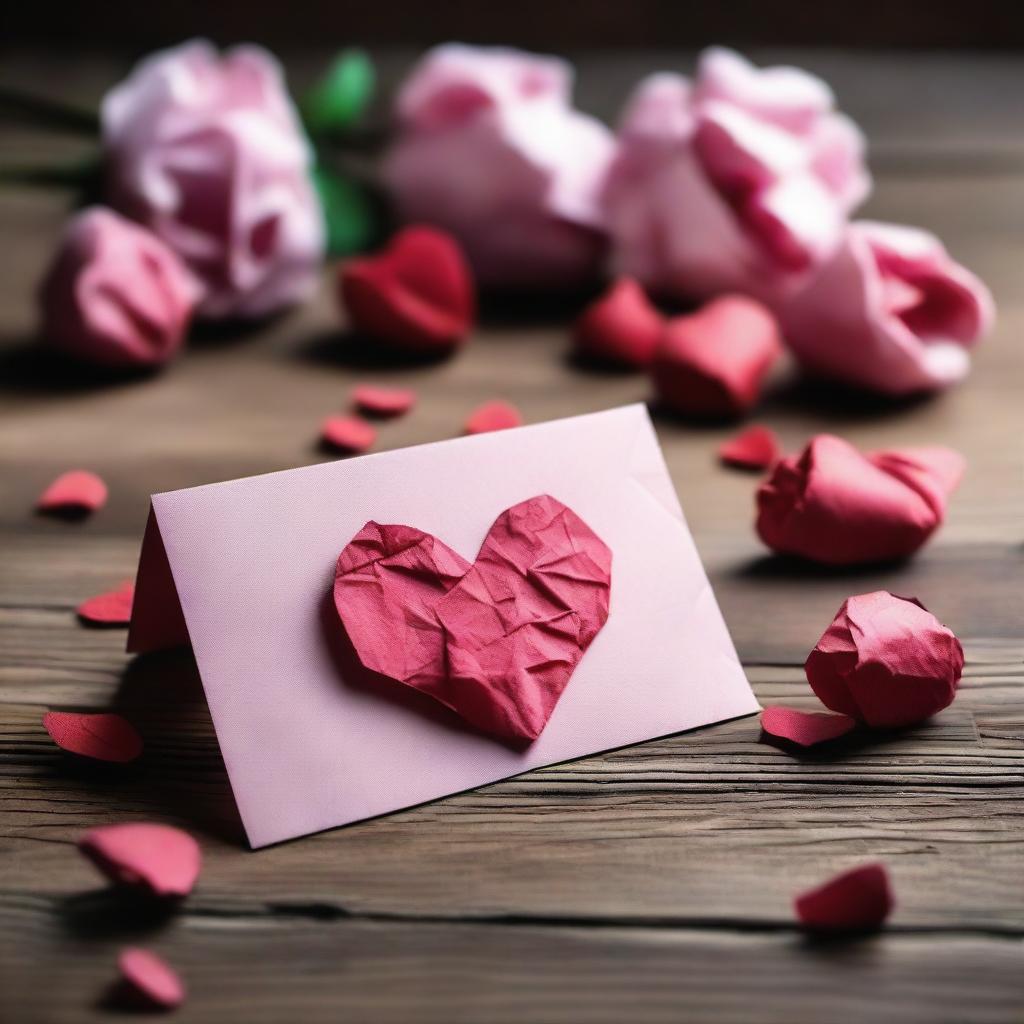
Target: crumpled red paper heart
[886,661]
[377,401]
[713,362]
[113,608]
[347,434]
[77,489]
[104,737]
[855,900]
[163,859]
[417,294]
[494,415]
[757,447]
[149,979]
[833,505]
[804,728]
[497,640]
[621,327]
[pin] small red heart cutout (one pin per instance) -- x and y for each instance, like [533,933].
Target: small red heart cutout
[417,294]
[496,640]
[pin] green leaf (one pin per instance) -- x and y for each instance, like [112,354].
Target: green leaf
[349,212]
[341,96]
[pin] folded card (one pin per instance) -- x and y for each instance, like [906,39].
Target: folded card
[381,631]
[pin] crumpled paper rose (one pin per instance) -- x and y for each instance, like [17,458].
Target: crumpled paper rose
[886,661]
[741,180]
[834,505]
[891,311]
[207,151]
[115,295]
[490,149]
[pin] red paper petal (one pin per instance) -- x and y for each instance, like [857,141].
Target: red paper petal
[151,978]
[348,433]
[886,661]
[77,490]
[111,609]
[162,859]
[496,641]
[496,415]
[756,447]
[105,737]
[712,363]
[833,505]
[805,728]
[853,901]
[383,401]
[417,294]
[621,327]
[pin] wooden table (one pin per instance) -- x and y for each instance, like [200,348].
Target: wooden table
[650,884]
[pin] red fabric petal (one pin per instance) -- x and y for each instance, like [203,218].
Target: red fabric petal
[348,434]
[113,608]
[105,737]
[621,327]
[805,728]
[417,294]
[152,979]
[713,362]
[496,415]
[376,401]
[496,641]
[756,447]
[886,661]
[78,490]
[855,900]
[160,858]
[831,504]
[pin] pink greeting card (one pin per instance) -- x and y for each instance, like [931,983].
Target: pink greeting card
[245,570]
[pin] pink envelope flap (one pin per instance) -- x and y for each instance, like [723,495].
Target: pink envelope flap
[307,747]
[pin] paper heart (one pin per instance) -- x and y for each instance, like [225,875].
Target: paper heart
[496,640]
[417,294]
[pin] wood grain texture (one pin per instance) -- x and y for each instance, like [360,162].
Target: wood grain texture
[646,884]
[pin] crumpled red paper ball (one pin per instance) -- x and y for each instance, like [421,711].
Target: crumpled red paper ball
[713,362]
[886,661]
[856,900]
[417,294]
[834,505]
[622,327]
[160,858]
[116,295]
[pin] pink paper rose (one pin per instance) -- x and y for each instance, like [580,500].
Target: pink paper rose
[490,149]
[738,181]
[892,312]
[207,151]
[115,294]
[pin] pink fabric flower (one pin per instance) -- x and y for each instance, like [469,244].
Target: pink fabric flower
[892,312]
[207,151]
[490,149]
[115,294]
[739,181]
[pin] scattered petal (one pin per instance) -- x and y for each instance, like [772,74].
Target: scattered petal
[712,363]
[855,900]
[621,327]
[495,415]
[160,858]
[805,728]
[756,447]
[886,661]
[150,978]
[77,490]
[376,401]
[348,434]
[105,737]
[113,608]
